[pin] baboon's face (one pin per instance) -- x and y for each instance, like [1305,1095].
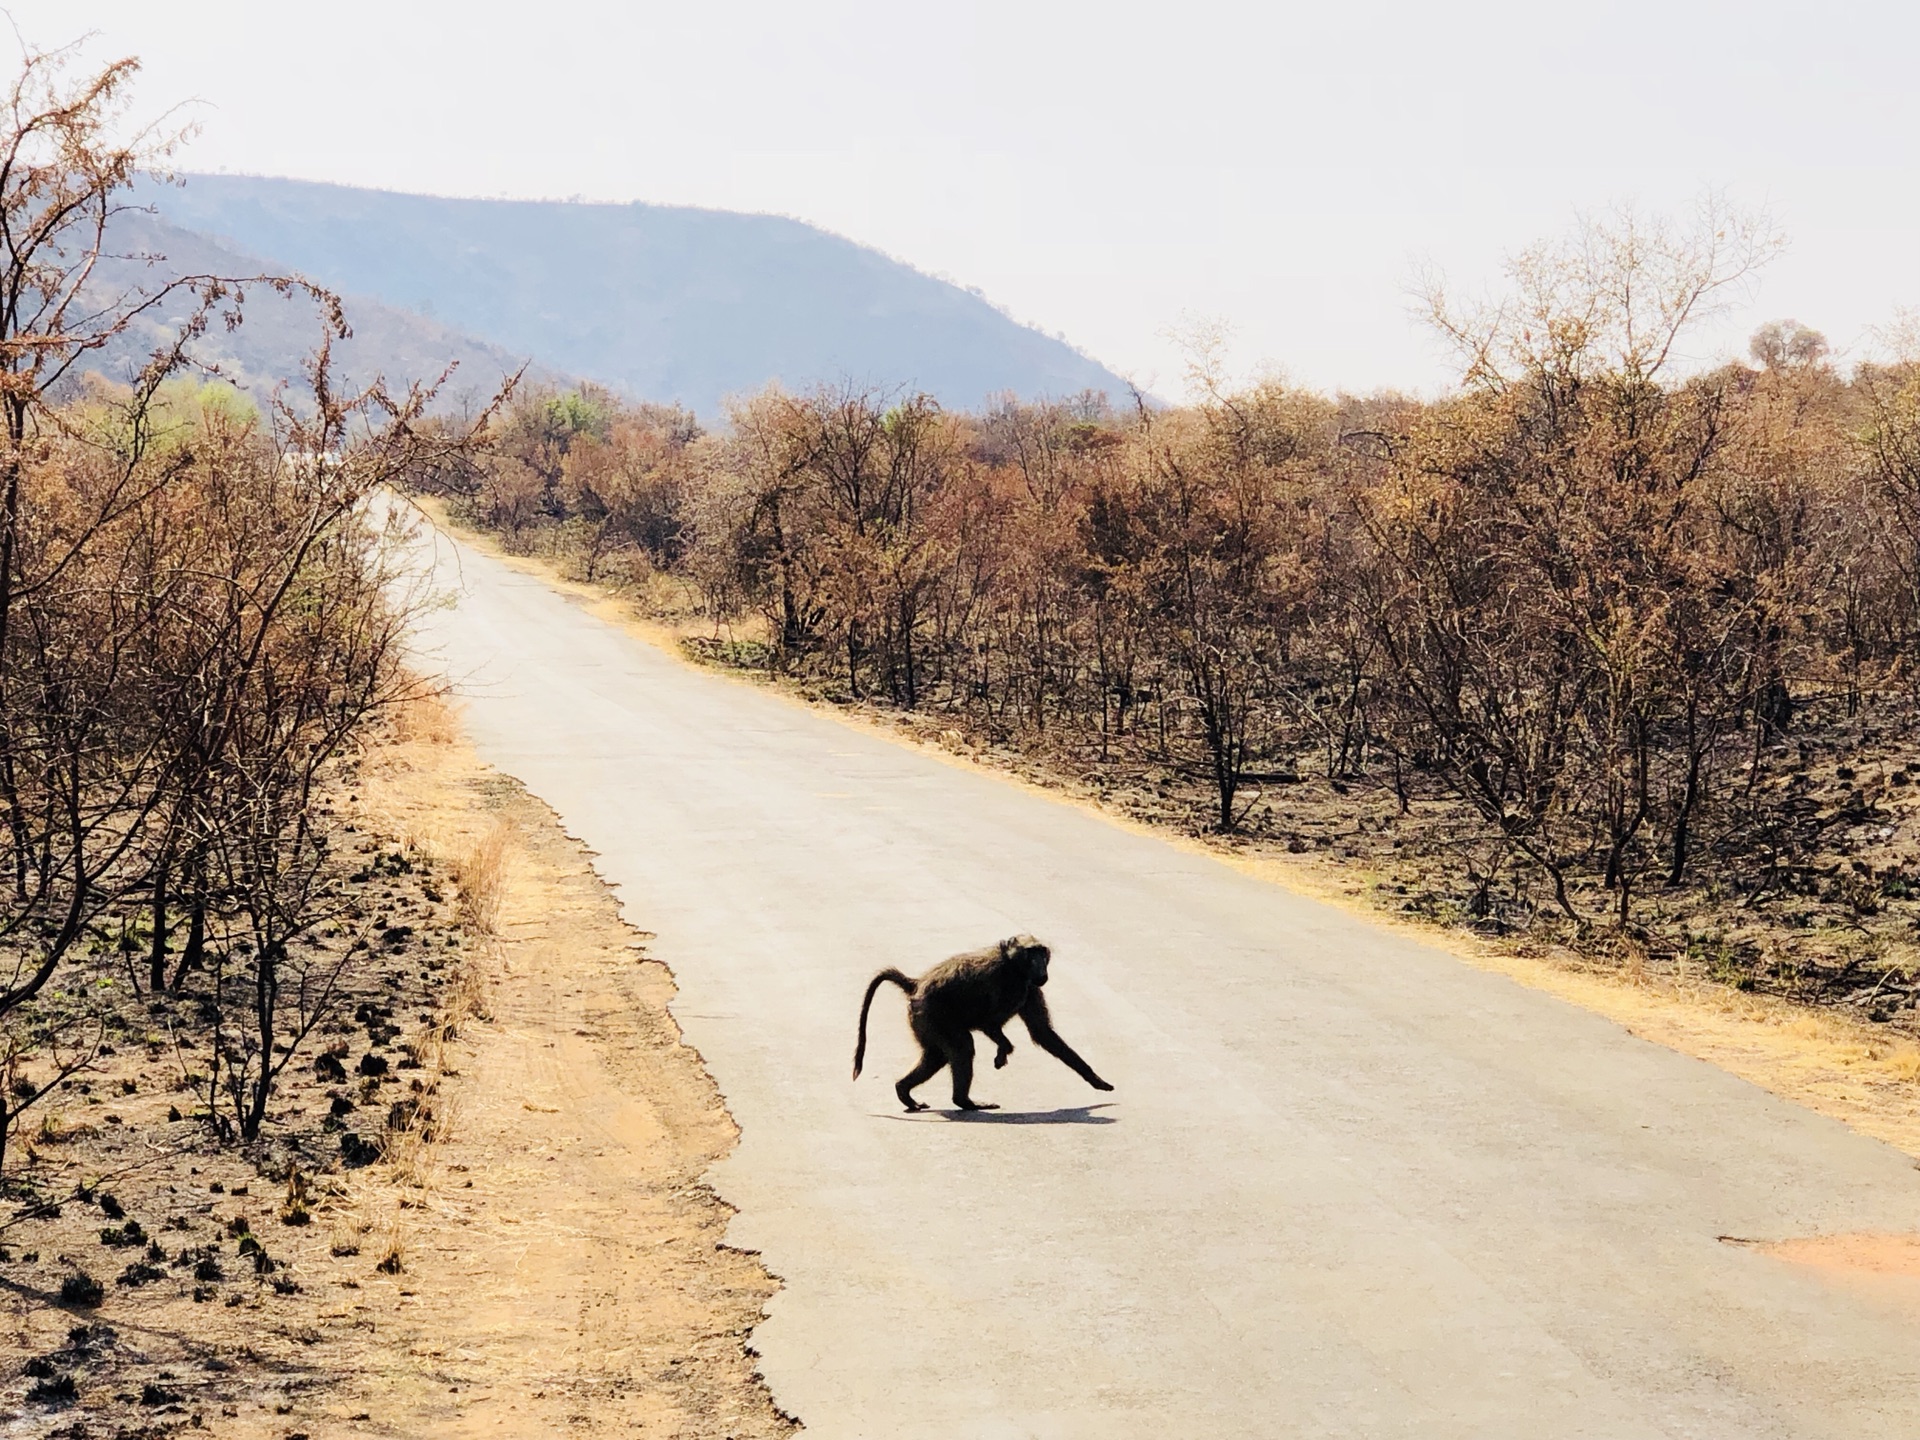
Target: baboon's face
[1036,955]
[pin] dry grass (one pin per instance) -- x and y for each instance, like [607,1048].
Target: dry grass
[428,718]
[480,872]
[410,1161]
[393,1248]
[466,995]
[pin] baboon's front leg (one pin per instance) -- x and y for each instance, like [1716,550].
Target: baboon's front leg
[1040,1027]
[1002,1047]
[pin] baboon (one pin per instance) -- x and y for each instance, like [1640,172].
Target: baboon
[979,990]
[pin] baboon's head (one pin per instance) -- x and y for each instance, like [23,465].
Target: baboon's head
[1025,947]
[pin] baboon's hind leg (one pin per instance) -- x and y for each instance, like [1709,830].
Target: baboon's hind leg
[930,1062]
[960,1058]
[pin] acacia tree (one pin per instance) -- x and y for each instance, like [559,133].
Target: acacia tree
[61,170]
[629,490]
[80,771]
[1890,443]
[197,619]
[1113,578]
[820,520]
[869,472]
[1227,495]
[747,557]
[1539,532]
[303,647]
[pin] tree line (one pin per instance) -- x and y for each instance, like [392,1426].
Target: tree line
[198,623]
[1594,597]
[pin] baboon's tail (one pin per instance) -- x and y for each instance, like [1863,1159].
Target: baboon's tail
[904,982]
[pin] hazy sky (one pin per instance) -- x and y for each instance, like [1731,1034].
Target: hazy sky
[1107,170]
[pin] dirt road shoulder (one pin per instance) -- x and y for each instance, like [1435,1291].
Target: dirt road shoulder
[564,1264]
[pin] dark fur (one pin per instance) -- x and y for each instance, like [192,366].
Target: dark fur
[979,990]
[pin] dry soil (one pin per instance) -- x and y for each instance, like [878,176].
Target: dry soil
[539,1257]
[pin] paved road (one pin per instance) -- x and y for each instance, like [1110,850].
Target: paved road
[1347,1186]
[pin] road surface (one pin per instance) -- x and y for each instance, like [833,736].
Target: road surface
[1346,1185]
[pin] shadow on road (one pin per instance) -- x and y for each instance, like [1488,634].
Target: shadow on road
[1071,1115]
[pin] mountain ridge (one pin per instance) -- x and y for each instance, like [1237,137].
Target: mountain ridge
[667,303]
[278,334]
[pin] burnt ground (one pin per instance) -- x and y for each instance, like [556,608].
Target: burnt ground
[157,1275]
[363,1268]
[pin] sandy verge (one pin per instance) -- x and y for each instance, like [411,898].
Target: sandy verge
[565,1265]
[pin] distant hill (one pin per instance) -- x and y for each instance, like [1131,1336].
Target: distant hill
[664,302]
[277,334]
